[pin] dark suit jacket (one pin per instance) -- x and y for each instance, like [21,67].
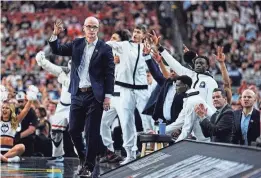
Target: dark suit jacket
[150,106]
[101,67]
[156,101]
[253,128]
[220,129]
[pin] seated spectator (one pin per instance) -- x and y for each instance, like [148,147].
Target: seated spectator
[168,103]
[43,143]
[220,125]
[28,126]
[41,114]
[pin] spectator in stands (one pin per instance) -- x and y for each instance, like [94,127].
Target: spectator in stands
[51,109]
[42,142]
[236,105]
[235,75]
[247,120]
[220,125]
[20,86]
[28,126]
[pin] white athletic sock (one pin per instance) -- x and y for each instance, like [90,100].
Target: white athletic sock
[133,154]
[15,159]
[57,144]
[128,151]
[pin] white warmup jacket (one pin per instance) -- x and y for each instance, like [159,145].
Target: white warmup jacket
[188,120]
[205,84]
[60,119]
[109,117]
[57,70]
[134,90]
[132,73]
[118,67]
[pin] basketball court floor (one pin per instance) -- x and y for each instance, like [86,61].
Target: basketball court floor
[35,167]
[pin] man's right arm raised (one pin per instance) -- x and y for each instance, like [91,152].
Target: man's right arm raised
[174,64]
[117,46]
[57,48]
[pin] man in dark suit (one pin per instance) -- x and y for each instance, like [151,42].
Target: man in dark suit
[91,86]
[168,103]
[220,125]
[247,120]
[164,102]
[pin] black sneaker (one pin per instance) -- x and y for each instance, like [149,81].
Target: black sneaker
[86,172]
[110,155]
[115,159]
[80,167]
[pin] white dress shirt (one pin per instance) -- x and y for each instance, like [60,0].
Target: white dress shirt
[168,102]
[83,69]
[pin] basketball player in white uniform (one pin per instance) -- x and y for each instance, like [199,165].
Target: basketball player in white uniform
[110,116]
[60,119]
[134,88]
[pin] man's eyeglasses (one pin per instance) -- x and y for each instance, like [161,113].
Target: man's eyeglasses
[89,27]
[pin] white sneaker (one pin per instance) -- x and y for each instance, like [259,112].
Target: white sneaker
[15,159]
[127,160]
[55,159]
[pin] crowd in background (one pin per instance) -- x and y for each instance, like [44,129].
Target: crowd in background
[237,27]
[27,26]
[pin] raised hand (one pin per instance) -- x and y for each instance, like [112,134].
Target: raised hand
[116,59]
[156,56]
[154,38]
[185,48]
[58,27]
[32,92]
[220,57]
[40,57]
[201,111]
[3,93]
[106,104]
[146,48]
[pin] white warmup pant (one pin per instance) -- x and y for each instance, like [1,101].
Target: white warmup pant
[131,99]
[59,122]
[108,118]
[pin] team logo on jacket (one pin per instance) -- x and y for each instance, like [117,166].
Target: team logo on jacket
[202,85]
[4,128]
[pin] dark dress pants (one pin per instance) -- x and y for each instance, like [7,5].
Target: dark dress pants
[85,115]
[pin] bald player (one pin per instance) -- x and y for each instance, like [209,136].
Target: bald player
[91,87]
[247,120]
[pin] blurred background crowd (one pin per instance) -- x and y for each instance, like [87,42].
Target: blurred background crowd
[202,26]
